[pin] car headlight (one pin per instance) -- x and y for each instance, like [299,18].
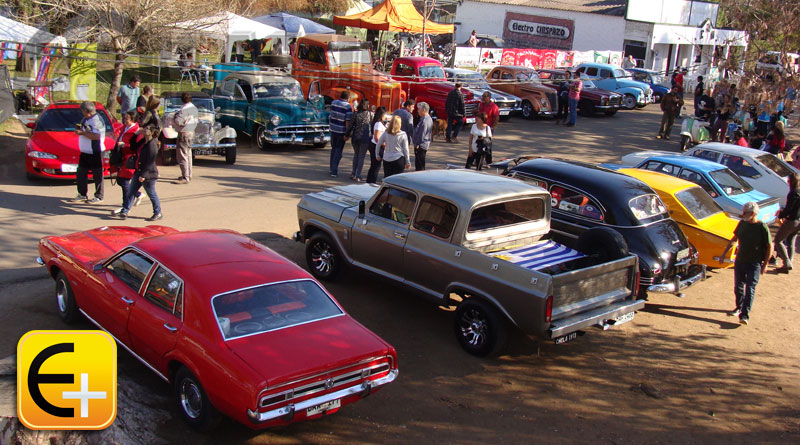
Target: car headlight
[604,101]
[276,120]
[543,102]
[217,126]
[42,155]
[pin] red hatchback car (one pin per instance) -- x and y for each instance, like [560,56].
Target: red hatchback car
[232,325]
[52,150]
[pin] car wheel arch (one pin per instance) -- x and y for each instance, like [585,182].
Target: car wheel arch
[466,292]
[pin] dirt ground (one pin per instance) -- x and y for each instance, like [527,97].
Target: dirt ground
[681,372]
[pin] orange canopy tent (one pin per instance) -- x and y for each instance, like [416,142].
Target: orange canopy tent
[393,15]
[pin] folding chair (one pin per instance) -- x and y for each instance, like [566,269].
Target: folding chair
[186,73]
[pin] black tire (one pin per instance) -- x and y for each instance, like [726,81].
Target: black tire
[629,102]
[480,329]
[193,404]
[684,143]
[230,152]
[65,300]
[261,143]
[528,112]
[322,257]
[611,112]
[320,144]
[602,244]
[586,108]
[657,98]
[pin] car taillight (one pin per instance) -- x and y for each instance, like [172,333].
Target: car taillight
[548,311]
[636,280]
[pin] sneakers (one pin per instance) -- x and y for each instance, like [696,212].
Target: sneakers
[118,214]
[155,217]
[79,198]
[333,175]
[744,321]
[94,200]
[183,180]
[137,200]
[734,312]
[666,137]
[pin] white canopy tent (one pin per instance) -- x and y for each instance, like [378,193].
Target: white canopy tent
[14,31]
[231,28]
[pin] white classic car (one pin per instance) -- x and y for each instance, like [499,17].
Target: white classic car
[210,137]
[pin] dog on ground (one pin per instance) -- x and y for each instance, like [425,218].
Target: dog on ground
[439,127]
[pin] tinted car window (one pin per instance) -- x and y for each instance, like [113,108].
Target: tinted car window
[65,119]
[394,204]
[662,167]
[404,70]
[436,217]
[431,71]
[706,154]
[605,74]
[740,166]
[774,164]
[729,182]
[698,203]
[131,268]
[272,306]
[574,202]
[699,180]
[590,71]
[506,76]
[646,206]
[506,213]
[164,289]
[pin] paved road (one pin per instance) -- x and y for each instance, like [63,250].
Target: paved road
[681,371]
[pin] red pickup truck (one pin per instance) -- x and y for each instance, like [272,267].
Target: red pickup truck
[423,79]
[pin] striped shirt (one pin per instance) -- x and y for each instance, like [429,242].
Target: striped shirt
[341,112]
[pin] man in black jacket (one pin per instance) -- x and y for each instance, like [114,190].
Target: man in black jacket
[790,215]
[455,109]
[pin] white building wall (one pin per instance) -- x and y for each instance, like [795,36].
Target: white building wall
[592,31]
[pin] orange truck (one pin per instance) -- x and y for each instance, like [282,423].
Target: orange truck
[327,64]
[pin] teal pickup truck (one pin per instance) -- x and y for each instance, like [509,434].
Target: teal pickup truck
[272,109]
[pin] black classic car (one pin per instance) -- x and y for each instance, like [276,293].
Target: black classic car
[585,196]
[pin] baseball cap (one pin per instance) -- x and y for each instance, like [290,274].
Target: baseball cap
[750,207]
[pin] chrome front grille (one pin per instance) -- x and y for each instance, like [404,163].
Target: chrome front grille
[615,100]
[471,108]
[646,281]
[505,103]
[289,130]
[553,99]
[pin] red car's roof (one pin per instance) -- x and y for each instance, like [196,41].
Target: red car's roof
[72,104]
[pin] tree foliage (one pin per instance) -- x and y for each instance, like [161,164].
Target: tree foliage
[308,6]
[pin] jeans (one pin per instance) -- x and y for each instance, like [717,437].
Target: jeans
[745,276]
[419,159]
[149,187]
[454,125]
[374,164]
[125,183]
[785,240]
[337,147]
[93,163]
[666,124]
[393,167]
[359,151]
[573,111]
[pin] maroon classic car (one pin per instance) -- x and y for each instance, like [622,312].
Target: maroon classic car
[593,99]
[232,325]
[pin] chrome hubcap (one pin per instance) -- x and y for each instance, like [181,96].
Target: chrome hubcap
[527,109]
[191,400]
[473,327]
[322,257]
[61,296]
[629,102]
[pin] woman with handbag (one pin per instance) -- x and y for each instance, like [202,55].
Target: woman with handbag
[394,154]
[145,175]
[128,145]
[360,137]
[480,141]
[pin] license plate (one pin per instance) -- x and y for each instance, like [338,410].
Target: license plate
[504,112]
[69,168]
[470,120]
[683,254]
[322,407]
[565,338]
[624,318]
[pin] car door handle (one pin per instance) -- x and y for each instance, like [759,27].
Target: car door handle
[399,235]
[127,300]
[170,327]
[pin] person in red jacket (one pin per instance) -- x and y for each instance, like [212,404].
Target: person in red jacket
[491,109]
[129,144]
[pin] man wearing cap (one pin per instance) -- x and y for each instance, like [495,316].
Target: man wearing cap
[752,257]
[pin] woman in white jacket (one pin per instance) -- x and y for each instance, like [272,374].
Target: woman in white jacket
[395,153]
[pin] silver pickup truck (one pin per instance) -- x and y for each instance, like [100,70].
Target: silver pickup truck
[478,242]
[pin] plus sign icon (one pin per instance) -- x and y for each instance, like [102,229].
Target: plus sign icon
[67,380]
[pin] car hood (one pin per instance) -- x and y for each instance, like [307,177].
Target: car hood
[632,83]
[63,144]
[719,224]
[291,111]
[308,349]
[98,244]
[496,94]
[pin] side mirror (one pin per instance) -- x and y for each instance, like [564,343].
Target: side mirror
[97,268]
[31,125]
[362,209]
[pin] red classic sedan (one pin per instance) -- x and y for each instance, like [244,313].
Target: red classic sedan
[232,325]
[52,150]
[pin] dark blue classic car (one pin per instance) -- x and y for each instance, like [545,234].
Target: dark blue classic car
[585,196]
[272,109]
[657,82]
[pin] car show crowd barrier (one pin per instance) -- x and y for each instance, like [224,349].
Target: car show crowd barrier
[485,58]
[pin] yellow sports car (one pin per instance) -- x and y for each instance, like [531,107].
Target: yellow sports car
[702,220]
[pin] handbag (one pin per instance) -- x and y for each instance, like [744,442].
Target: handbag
[130,164]
[484,146]
[115,157]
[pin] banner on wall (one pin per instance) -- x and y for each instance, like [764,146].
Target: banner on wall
[467,56]
[83,72]
[531,58]
[490,57]
[538,31]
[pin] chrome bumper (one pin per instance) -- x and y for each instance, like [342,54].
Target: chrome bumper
[39,261]
[676,285]
[606,107]
[595,317]
[227,145]
[288,411]
[548,113]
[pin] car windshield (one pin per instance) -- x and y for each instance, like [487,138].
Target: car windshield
[272,306]
[729,182]
[431,72]
[646,206]
[506,213]
[340,57]
[285,89]
[699,203]
[587,83]
[531,76]
[620,73]
[205,105]
[774,164]
[473,80]
[65,119]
